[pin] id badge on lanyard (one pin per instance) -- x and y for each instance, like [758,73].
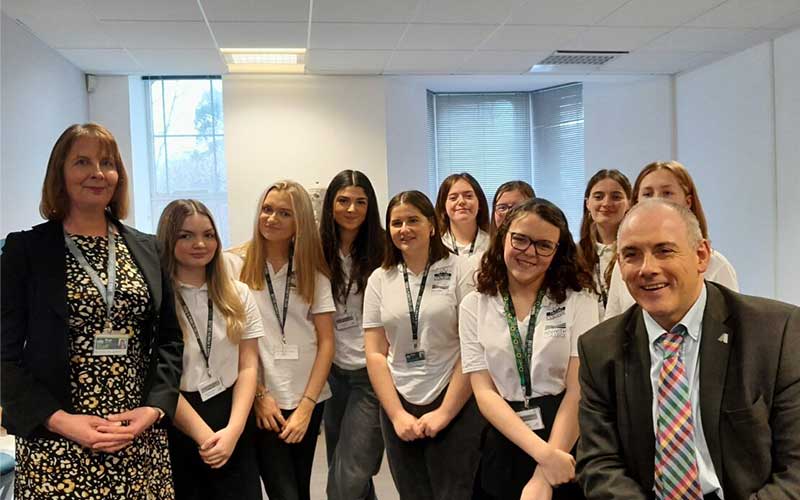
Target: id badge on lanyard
[110,344]
[210,387]
[532,417]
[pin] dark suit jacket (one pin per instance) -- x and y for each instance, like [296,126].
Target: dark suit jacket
[749,400]
[34,334]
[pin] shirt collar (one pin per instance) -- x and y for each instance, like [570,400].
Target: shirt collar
[692,320]
[186,286]
[602,248]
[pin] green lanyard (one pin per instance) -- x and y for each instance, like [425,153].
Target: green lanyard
[522,352]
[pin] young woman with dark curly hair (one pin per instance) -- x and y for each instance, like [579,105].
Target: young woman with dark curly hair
[519,333]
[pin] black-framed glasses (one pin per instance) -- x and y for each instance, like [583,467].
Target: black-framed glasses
[543,248]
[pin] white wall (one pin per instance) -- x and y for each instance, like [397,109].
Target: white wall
[628,124]
[787,141]
[306,128]
[726,138]
[42,94]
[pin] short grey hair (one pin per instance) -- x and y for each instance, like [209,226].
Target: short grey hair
[693,232]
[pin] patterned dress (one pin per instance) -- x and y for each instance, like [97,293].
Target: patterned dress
[100,385]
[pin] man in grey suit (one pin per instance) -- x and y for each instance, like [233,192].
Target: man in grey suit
[694,392]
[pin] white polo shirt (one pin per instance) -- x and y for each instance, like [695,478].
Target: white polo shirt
[287,379]
[386,305]
[349,335]
[481,243]
[224,359]
[486,341]
[620,299]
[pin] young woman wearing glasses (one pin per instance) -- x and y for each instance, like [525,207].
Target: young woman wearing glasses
[519,334]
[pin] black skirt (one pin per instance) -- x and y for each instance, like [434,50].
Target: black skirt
[506,468]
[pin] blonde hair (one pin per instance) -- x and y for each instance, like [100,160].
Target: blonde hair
[221,287]
[54,204]
[308,256]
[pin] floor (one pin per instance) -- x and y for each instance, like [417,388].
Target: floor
[384,486]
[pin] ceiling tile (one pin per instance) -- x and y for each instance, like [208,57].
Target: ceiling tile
[160,35]
[445,36]
[536,38]
[710,39]
[465,11]
[565,12]
[256,10]
[665,63]
[789,21]
[658,12]
[102,61]
[425,62]
[347,61]
[145,10]
[260,35]
[359,11]
[74,30]
[490,61]
[355,35]
[605,38]
[746,13]
[180,61]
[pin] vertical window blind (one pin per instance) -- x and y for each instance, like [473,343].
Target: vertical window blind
[532,136]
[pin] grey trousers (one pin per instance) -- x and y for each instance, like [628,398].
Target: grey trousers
[440,468]
[352,435]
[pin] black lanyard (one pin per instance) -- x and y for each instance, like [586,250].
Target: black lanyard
[602,284]
[471,247]
[106,291]
[413,313]
[522,352]
[209,329]
[281,317]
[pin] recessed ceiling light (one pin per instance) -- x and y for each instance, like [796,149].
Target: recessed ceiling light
[265,60]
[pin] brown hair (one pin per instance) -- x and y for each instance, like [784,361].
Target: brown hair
[563,274]
[55,200]
[436,250]
[523,187]
[684,180]
[308,256]
[482,217]
[586,249]
[221,288]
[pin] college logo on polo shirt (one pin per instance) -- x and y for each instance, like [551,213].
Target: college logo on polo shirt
[555,325]
[441,279]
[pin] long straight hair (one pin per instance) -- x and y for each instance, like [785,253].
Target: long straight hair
[221,288]
[417,199]
[367,250]
[684,180]
[308,257]
[586,245]
[481,218]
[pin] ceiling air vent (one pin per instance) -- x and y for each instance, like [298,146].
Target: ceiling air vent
[575,59]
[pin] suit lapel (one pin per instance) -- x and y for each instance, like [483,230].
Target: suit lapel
[51,259]
[147,261]
[639,397]
[714,351]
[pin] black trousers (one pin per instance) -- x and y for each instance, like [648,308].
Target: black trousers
[440,468]
[194,480]
[506,469]
[286,468]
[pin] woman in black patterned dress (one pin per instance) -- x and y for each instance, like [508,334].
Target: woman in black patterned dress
[91,350]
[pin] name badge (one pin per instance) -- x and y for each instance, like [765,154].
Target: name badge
[287,351]
[345,321]
[210,388]
[110,344]
[555,313]
[416,358]
[532,418]
[558,330]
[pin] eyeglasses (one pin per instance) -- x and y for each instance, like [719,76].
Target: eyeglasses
[503,208]
[543,248]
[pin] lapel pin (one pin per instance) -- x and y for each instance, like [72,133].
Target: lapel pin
[723,338]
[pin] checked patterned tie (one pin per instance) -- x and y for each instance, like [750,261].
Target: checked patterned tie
[677,476]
